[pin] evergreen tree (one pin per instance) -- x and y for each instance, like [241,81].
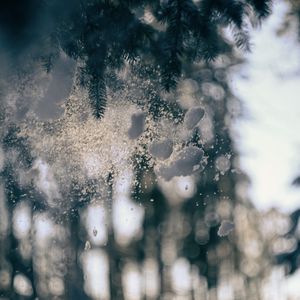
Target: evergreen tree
[106,34]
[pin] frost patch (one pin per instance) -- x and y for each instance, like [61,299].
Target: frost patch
[193,116]
[223,164]
[225,228]
[45,181]
[137,125]
[187,162]
[92,164]
[161,149]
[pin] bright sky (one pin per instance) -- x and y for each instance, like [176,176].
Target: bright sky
[269,85]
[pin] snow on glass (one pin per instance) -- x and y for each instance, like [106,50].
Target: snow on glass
[76,147]
[71,146]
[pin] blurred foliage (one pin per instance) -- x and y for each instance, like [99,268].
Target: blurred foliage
[106,34]
[288,254]
[176,54]
[177,230]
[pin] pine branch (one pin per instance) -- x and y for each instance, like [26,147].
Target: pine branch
[97,96]
[52,51]
[108,33]
[242,40]
[262,8]
[171,14]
